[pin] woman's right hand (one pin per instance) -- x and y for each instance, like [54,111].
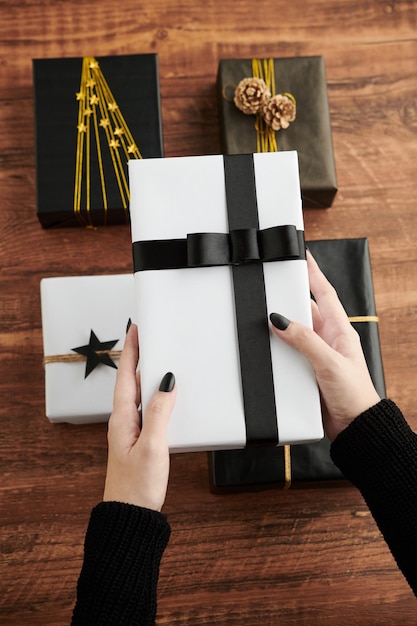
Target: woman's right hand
[138,458]
[335,353]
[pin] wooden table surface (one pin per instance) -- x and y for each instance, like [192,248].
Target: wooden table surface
[308,556]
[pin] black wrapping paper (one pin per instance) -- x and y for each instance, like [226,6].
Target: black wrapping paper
[346,263]
[310,133]
[134,86]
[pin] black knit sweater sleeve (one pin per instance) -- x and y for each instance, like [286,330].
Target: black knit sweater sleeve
[377,452]
[122,553]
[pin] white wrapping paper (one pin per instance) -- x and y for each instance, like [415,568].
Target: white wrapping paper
[186,317]
[72,307]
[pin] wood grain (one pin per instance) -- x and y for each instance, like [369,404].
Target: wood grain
[309,556]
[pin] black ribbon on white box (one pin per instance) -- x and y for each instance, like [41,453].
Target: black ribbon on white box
[244,248]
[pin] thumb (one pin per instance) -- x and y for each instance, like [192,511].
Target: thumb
[306,341]
[159,409]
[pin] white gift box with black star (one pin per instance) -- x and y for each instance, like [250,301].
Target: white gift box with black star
[84,322]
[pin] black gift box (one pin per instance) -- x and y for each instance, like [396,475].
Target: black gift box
[92,115]
[310,133]
[346,263]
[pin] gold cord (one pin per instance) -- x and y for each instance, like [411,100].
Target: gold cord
[287,466]
[266,140]
[364,318]
[77,358]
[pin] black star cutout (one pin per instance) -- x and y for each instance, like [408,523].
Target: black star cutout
[96,352]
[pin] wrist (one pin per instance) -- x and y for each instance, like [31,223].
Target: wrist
[339,423]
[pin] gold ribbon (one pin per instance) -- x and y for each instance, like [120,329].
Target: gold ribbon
[98,109]
[77,358]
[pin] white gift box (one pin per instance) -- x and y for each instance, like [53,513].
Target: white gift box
[188,317]
[72,307]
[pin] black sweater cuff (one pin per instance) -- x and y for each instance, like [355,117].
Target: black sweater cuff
[123,548]
[377,452]
[378,438]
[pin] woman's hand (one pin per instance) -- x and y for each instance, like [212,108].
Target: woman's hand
[335,353]
[138,458]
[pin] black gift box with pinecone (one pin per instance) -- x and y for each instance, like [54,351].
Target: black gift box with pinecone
[295,103]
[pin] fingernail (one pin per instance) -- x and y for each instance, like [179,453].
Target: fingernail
[279,321]
[168,382]
[129,324]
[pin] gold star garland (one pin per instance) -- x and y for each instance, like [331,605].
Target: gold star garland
[98,113]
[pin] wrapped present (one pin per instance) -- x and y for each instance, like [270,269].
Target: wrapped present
[346,263]
[84,322]
[92,115]
[281,104]
[218,242]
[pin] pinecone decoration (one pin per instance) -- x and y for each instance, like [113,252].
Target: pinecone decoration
[279,112]
[251,95]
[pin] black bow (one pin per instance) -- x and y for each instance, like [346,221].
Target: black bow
[245,245]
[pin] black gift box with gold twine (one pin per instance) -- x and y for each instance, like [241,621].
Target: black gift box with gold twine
[303,81]
[346,263]
[92,115]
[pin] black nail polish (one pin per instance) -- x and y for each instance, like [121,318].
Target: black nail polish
[279,321]
[129,324]
[168,382]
